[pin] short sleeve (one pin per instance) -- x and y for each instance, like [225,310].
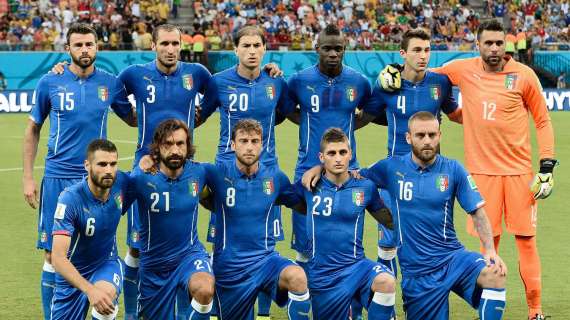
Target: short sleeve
[128,190]
[286,104]
[288,195]
[42,106]
[466,191]
[121,104]
[125,78]
[65,215]
[204,77]
[210,102]
[210,172]
[377,173]
[366,93]
[375,104]
[375,204]
[292,89]
[449,105]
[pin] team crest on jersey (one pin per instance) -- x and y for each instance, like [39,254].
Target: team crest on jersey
[43,236]
[119,201]
[351,94]
[472,183]
[268,186]
[187,81]
[103,93]
[358,197]
[442,182]
[435,92]
[193,188]
[510,81]
[135,236]
[270,90]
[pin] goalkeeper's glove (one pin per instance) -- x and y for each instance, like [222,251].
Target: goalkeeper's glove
[543,181]
[390,77]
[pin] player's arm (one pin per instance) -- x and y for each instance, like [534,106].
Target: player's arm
[543,182]
[483,227]
[122,106]
[39,113]
[449,106]
[295,113]
[210,102]
[373,109]
[287,105]
[290,195]
[207,199]
[295,116]
[378,209]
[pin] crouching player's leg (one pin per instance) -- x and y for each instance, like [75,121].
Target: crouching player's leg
[201,289]
[493,295]
[131,277]
[293,279]
[383,290]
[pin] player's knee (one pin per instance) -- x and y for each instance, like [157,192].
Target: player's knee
[47,257]
[489,278]
[107,287]
[295,278]
[202,287]
[385,283]
[134,252]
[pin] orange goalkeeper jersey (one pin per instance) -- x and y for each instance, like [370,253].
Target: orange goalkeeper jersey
[495,108]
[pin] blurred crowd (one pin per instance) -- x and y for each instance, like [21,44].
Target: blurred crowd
[289,24]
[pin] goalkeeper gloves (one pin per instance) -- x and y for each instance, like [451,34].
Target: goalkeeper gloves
[390,77]
[543,181]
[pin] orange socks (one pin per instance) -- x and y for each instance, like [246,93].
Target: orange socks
[529,269]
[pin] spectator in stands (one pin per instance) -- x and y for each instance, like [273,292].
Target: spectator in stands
[144,38]
[561,81]
[3,82]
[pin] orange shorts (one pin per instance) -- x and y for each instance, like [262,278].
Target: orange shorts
[510,195]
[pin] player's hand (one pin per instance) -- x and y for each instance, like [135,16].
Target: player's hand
[273,70]
[30,192]
[495,262]
[355,174]
[390,77]
[543,182]
[311,177]
[147,164]
[100,300]
[59,67]
[197,114]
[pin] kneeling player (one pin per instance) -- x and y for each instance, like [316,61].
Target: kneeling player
[338,269]
[245,262]
[172,257]
[87,216]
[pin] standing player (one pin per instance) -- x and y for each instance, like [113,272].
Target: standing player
[498,94]
[245,261]
[421,91]
[84,254]
[423,186]
[77,104]
[338,269]
[247,91]
[172,257]
[328,94]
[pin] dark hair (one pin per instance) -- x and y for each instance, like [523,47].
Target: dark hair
[165,27]
[100,144]
[81,28]
[247,125]
[421,115]
[332,135]
[413,34]
[163,131]
[489,25]
[249,31]
[329,30]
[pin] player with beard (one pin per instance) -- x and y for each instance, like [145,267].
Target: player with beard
[171,257]
[84,251]
[77,104]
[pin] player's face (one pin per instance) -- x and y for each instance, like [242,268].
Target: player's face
[424,136]
[336,157]
[331,51]
[167,47]
[82,48]
[492,47]
[417,55]
[174,150]
[250,51]
[102,168]
[247,147]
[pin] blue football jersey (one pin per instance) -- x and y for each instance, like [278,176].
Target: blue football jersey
[77,110]
[168,215]
[324,103]
[162,96]
[422,206]
[432,94]
[239,98]
[244,213]
[335,222]
[91,223]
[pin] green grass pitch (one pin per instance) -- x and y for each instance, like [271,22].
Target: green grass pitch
[20,262]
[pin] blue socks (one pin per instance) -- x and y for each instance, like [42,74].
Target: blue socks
[200,311]
[382,306]
[131,287]
[492,305]
[299,306]
[47,287]
[356,310]
[263,304]
[182,305]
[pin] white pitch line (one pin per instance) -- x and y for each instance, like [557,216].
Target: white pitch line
[42,167]
[114,140]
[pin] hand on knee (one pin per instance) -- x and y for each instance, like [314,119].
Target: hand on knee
[385,283]
[490,277]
